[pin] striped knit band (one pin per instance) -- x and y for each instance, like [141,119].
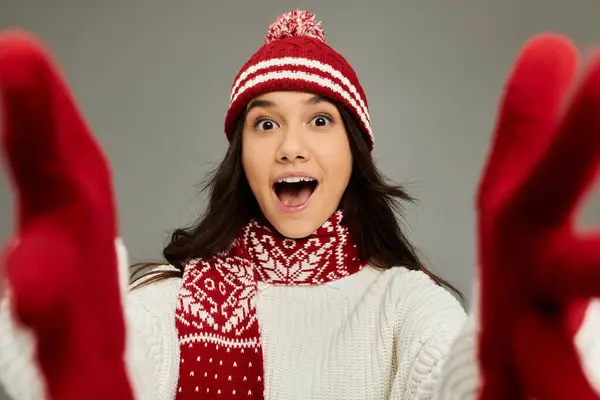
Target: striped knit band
[303,64]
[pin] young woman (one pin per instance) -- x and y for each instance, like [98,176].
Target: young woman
[297,282]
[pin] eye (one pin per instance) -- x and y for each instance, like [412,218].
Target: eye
[321,120]
[264,124]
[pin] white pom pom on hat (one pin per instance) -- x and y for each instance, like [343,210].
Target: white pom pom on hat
[295,23]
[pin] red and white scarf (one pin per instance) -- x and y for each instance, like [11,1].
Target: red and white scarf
[221,354]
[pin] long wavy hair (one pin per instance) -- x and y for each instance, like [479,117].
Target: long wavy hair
[371,206]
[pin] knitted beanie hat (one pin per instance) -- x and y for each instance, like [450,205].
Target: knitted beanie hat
[295,57]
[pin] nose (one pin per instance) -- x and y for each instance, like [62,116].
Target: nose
[292,147]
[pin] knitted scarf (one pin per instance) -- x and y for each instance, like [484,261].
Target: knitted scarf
[219,336]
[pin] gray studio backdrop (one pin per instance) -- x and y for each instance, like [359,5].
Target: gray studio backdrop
[153,79]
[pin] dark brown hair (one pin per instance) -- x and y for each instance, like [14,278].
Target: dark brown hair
[371,207]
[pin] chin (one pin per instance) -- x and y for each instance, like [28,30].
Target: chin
[295,228]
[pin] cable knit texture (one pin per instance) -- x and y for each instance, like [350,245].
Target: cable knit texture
[373,335]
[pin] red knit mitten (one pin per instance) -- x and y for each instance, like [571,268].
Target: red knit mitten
[536,272]
[61,263]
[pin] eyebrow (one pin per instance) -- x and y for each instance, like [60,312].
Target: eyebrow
[261,103]
[316,100]
[271,104]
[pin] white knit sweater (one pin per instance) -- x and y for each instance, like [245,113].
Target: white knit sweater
[390,334]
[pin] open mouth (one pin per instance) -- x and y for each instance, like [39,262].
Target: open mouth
[294,191]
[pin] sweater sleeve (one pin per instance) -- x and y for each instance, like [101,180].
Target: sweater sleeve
[151,354]
[459,375]
[429,320]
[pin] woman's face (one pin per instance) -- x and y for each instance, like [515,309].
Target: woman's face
[297,159]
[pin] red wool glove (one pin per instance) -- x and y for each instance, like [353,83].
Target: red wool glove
[61,263]
[537,273]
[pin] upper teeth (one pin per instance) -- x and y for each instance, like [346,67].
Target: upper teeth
[295,179]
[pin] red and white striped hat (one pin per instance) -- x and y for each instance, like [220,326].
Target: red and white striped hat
[295,57]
